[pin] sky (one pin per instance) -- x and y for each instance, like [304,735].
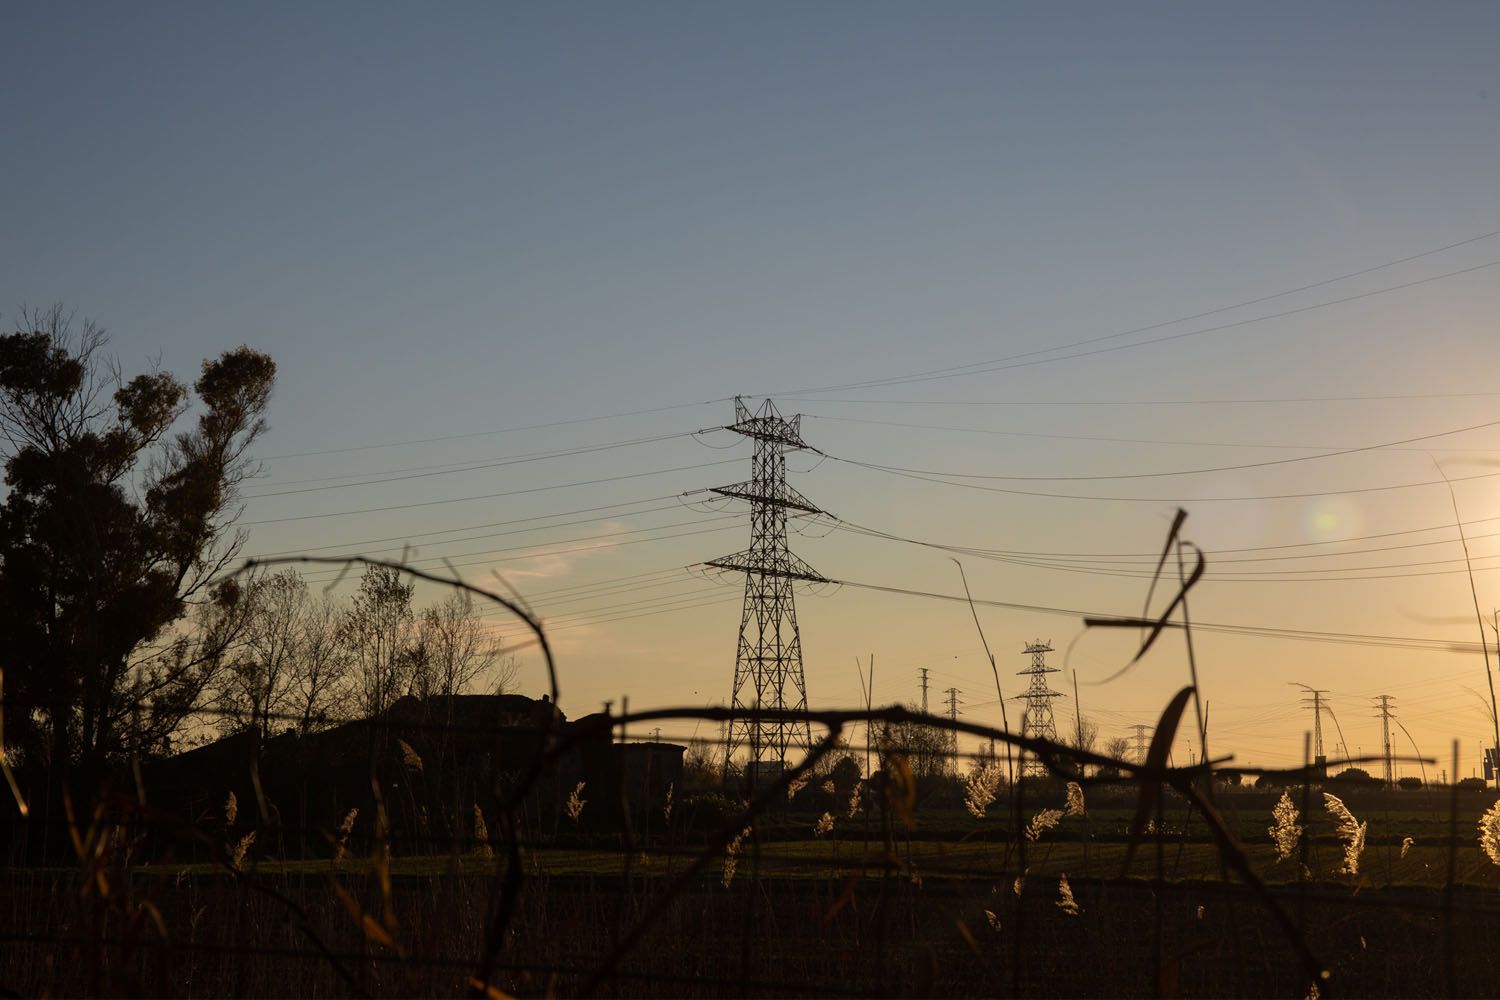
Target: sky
[483,242]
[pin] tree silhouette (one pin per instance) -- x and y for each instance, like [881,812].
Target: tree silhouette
[113,531]
[381,629]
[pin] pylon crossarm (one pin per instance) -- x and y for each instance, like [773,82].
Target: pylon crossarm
[784,496]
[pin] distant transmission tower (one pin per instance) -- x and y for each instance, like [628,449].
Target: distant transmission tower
[1314,701]
[923,671]
[951,765]
[1385,729]
[1140,743]
[1036,720]
[768,665]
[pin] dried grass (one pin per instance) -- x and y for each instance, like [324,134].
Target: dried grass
[1285,831]
[1350,830]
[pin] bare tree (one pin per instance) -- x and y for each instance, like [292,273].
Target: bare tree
[256,689]
[926,749]
[451,649]
[702,765]
[1118,748]
[323,666]
[1085,735]
[380,627]
[290,664]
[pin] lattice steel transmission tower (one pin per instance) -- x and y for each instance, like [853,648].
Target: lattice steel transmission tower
[1036,720]
[1384,706]
[1314,701]
[1140,743]
[768,665]
[950,766]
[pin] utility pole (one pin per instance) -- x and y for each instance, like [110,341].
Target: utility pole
[1037,721]
[1140,743]
[1385,701]
[768,672]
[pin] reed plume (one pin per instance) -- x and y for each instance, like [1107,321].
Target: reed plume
[1350,830]
[1065,900]
[1074,805]
[1042,822]
[240,849]
[1489,833]
[481,834]
[981,788]
[346,827]
[576,802]
[1285,831]
[732,855]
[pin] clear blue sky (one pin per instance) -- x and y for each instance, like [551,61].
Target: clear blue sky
[460,218]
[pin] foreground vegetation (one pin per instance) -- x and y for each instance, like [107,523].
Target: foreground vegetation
[871,907]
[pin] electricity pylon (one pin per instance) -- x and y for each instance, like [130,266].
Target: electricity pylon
[1315,702]
[1140,743]
[952,741]
[1036,720]
[1384,706]
[768,664]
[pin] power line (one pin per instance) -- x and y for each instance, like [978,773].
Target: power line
[609,620]
[432,560]
[1217,401]
[477,467]
[1119,440]
[606,582]
[528,554]
[1014,361]
[1181,472]
[494,523]
[1243,576]
[1197,499]
[1229,576]
[1310,635]
[846,525]
[448,468]
[1144,329]
[501,430]
[491,496]
[701,593]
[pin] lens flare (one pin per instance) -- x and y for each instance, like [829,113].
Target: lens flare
[1331,518]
